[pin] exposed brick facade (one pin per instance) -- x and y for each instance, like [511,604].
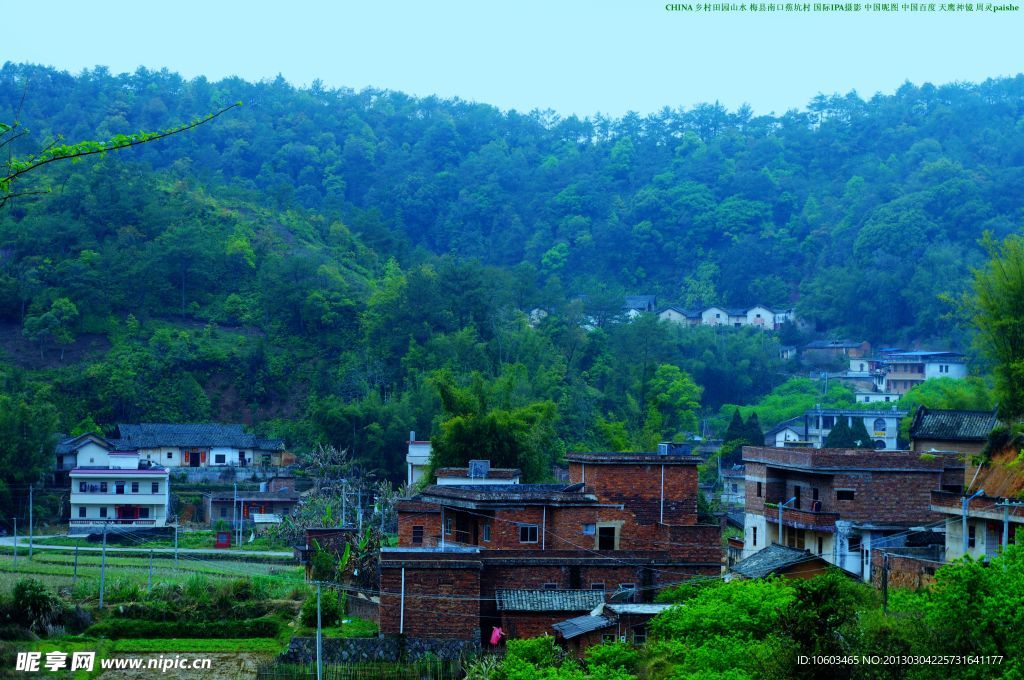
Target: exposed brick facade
[440,597]
[629,519]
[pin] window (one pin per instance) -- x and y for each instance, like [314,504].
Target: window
[970,536]
[854,543]
[550,586]
[828,422]
[640,635]
[135,487]
[223,511]
[887,398]
[169,455]
[81,487]
[528,533]
[417,535]
[844,494]
[103,487]
[219,459]
[81,511]
[449,523]
[606,538]
[759,489]
[735,489]
[103,512]
[119,487]
[597,585]
[487,532]
[589,529]
[156,487]
[143,513]
[753,536]
[820,544]
[796,495]
[814,493]
[879,424]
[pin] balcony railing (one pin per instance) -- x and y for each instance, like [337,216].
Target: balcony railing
[802,519]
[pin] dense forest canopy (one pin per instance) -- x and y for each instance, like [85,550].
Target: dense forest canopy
[310,261]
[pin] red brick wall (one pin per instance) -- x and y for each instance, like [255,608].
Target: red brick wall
[520,625]
[904,571]
[639,487]
[412,514]
[440,600]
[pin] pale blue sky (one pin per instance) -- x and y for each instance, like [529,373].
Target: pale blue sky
[573,56]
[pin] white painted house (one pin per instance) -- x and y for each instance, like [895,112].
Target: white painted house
[117,488]
[417,459]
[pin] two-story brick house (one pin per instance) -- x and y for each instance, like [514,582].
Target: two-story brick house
[625,523]
[841,503]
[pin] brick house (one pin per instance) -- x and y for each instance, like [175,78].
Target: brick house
[942,430]
[613,622]
[228,507]
[781,560]
[527,613]
[841,504]
[626,522]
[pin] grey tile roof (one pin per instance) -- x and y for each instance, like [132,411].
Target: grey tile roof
[580,625]
[71,444]
[154,435]
[769,560]
[970,426]
[548,600]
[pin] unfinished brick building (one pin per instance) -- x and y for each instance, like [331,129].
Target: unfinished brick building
[625,525]
[842,504]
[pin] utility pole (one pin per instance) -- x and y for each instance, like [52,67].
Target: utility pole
[149,588]
[319,638]
[1006,505]
[782,505]
[175,544]
[30,522]
[234,511]
[15,541]
[963,525]
[74,574]
[885,582]
[103,564]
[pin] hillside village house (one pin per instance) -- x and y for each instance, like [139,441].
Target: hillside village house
[758,316]
[185,445]
[812,429]
[625,525]
[841,504]
[950,430]
[111,487]
[417,459]
[897,372]
[274,501]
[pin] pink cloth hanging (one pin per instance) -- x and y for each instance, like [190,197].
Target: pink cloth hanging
[496,636]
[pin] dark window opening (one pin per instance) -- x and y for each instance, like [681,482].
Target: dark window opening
[135,487]
[971,536]
[417,535]
[821,543]
[606,538]
[528,533]
[753,531]
[597,585]
[759,489]
[81,511]
[550,586]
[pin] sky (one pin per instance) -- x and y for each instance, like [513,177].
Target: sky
[573,56]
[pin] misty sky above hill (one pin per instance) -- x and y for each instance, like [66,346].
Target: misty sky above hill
[573,56]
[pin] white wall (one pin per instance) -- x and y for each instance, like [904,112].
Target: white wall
[945,369]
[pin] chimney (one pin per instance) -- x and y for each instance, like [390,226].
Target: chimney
[412,436]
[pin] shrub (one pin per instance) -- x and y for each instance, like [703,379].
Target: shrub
[539,651]
[614,655]
[33,606]
[330,609]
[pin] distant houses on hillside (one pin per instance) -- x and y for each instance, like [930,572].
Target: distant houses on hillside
[758,316]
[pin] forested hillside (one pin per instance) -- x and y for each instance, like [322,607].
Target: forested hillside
[326,263]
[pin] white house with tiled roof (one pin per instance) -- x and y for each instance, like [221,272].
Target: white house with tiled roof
[117,488]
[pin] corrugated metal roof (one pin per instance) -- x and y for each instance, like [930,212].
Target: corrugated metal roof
[548,600]
[640,608]
[581,624]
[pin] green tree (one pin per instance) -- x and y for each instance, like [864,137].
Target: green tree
[860,436]
[840,436]
[994,306]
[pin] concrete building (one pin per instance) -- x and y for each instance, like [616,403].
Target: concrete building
[117,488]
[417,459]
[841,504]
[812,428]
